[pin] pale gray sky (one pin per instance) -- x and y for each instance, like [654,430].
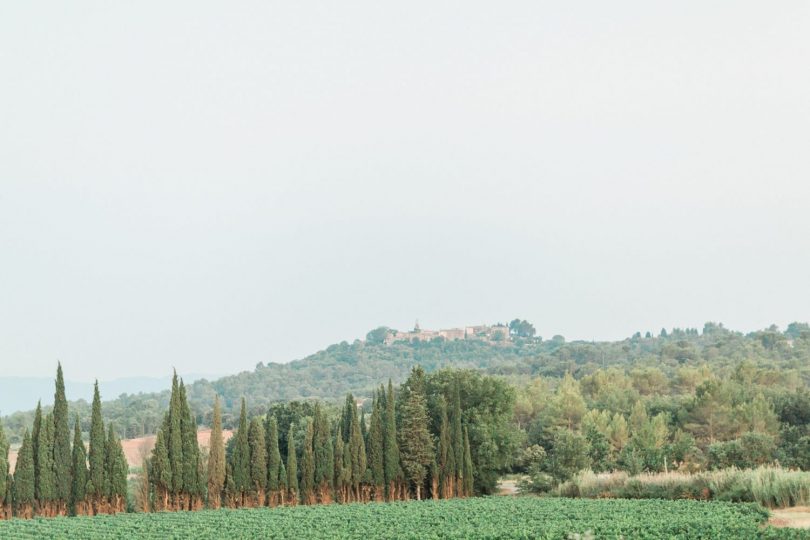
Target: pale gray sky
[210,185]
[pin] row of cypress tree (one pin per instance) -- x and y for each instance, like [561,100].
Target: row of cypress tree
[53,477]
[396,455]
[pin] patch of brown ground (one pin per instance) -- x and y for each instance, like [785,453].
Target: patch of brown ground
[797,517]
[135,449]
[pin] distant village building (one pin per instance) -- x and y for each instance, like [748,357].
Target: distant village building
[496,333]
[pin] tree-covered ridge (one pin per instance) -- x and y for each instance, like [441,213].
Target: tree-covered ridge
[360,366]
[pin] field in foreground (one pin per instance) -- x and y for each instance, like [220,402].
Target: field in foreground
[496,517]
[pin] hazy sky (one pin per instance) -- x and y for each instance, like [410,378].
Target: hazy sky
[212,185]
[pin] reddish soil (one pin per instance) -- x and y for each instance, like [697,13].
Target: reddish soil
[137,449]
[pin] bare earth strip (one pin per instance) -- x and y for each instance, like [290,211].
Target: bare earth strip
[797,518]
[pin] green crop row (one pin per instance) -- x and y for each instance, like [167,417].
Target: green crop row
[497,517]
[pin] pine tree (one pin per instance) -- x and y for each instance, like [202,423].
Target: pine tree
[117,470]
[446,457]
[416,447]
[46,482]
[240,458]
[274,463]
[216,459]
[390,441]
[376,458]
[96,453]
[258,460]
[308,466]
[4,466]
[468,466]
[292,467]
[24,479]
[161,472]
[324,456]
[457,437]
[61,446]
[78,488]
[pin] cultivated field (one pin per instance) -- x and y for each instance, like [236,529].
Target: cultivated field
[495,517]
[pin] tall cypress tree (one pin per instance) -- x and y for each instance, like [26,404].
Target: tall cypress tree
[308,466]
[174,440]
[24,478]
[116,472]
[258,460]
[324,456]
[376,449]
[78,489]
[457,436]
[160,472]
[416,446]
[46,482]
[446,459]
[390,441]
[240,458]
[340,479]
[4,465]
[61,445]
[95,486]
[274,463]
[35,442]
[216,459]
[468,466]
[192,489]
[357,450]
[292,467]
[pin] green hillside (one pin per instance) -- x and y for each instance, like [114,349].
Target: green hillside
[360,366]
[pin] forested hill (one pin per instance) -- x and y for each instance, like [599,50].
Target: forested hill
[360,366]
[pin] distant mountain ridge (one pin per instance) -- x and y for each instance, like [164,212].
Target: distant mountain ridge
[18,393]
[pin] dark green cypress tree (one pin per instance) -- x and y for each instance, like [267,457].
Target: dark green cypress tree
[117,470]
[240,458]
[78,489]
[446,459]
[376,451]
[192,489]
[457,437]
[308,466]
[292,467]
[160,472]
[282,483]
[4,472]
[174,440]
[468,466]
[61,446]
[23,491]
[324,456]
[416,446]
[390,441]
[357,451]
[46,482]
[363,426]
[95,486]
[216,459]
[274,463]
[258,460]
[339,478]
[349,409]
[35,442]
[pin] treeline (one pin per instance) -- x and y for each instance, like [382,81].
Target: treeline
[648,420]
[53,477]
[417,443]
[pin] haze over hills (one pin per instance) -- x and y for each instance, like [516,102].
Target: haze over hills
[17,393]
